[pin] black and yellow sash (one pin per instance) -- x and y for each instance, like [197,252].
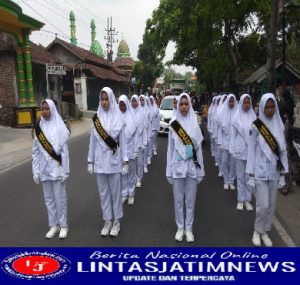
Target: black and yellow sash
[270,140]
[45,143]
[185,138]
[110,142]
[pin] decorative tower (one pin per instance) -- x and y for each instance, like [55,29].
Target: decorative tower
[93,30]
[73,29]
[95,45]
[124,61]
[123,49]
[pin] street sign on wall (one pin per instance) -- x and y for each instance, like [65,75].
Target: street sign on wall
[56,69]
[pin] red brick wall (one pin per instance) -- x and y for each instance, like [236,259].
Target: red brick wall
[7,87]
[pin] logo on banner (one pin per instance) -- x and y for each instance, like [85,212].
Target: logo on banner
[36,265]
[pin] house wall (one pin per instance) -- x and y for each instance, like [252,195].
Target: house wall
[64,55]
[8,88]
[297,115]
[297,102]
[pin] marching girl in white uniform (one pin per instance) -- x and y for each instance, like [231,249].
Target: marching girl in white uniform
[146,119]
[211,111]
[150,140]
[129,176]
[107,158]
[50,166]
[239,140]
[217,133]
[155,124]
[228,161]
[139,138]
[267,165]
[185,167]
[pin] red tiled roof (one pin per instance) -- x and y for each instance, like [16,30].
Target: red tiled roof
[104,73]
[84,54]
[99,66]
[41,56]
[124,62]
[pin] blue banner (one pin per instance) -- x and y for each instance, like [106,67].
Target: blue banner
[150,265]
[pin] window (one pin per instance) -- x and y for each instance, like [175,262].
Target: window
[78,88]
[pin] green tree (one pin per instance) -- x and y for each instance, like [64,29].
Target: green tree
[149,67]
[168,75]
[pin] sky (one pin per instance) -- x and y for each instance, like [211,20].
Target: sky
[128,18]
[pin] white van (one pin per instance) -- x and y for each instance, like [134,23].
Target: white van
[166,113]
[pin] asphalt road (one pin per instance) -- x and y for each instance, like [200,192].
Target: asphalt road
[150,222]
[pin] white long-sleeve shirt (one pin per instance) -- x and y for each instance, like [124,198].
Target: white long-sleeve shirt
[156,122]
[45,166]
[238,146]
[183,168]
[103,158]
[258,163]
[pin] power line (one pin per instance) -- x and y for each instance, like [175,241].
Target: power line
[63,36]
[83,10]
[43,17]
[66,12]
[90,11]
[79,22]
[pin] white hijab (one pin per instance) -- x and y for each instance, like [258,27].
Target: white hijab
[145,111]
[110,119]
[226,114]
[154,107]
[274,124]
[174,110]
[242,120]
[54,129]
[190,125]
[128,118]
[138,114]
[220,107]
[210,114]
[214,121]
[149,107]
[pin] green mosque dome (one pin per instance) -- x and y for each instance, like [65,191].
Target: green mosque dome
[123,49]
[96,48]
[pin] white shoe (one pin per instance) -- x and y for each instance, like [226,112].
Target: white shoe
[220,174]
[231,186]
[63,233]
[240,206]
[216,164]
[149,160]
[155,152]
[189,236]
[115,229]
[266,240]
[226,187]
[106,228]
[124,199]
[145,169]
[179,235]
[256,239]
[130,200]
[138,183]
[248,206]
[52,232]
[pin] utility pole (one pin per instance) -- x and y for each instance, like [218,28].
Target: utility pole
[111,32]
[272,42]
